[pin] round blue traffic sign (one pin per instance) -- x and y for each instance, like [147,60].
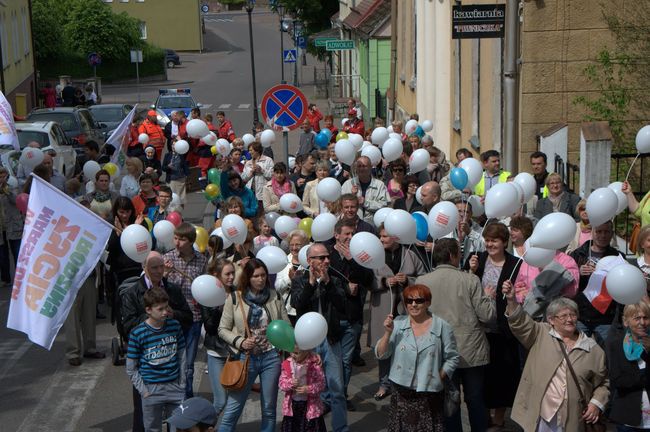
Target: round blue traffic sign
[94,59]
[284,107]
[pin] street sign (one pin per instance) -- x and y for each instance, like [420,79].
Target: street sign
[136,56]
[94,59]
[478,21]
[284,107]
[205,8]
[339,45]
[301,42]
[320,41]
[289,56]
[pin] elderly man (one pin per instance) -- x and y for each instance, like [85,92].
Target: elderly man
[307,136]
[467,232]
[56,178]
[133,311]
[321,290]
[449,192]
[372,192]
[458,298]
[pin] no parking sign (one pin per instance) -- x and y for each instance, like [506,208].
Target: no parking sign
[284,107]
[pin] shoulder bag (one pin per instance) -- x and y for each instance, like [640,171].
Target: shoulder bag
[600,425]
[234,374]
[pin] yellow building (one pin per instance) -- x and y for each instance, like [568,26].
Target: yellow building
[166,23]
[17,77]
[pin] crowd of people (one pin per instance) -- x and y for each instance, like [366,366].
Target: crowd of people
[459,312]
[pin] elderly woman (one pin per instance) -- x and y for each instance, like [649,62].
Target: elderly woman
[548,397]
[312,205]
[276,187]
[627,354]
[243,326]
[558,199]
[130,186]
[297,239]
[102,198]
[401,269]
[423,350]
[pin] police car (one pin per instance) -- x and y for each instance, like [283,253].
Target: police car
[176,100]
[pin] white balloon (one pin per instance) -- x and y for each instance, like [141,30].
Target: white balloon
[395,135]
[302,256]
[223,147]
[372,153]
[345,151]
[642,140]
[418,161]
[474,171]
[31,157]
[136,242]
[328,189]
[12,182]
[608,262]
[626,284]
[538,257]
[379,136]
[418,195]
[344,121]
[602,205]
[164,232]
[210,139]
[367,250]
[427,125]
[322,228]
[196,128]
[267,138]
[380,215]
[90,169]
[400,224]
[392,149]
[274,258]
[284,225]
[390,129]
[248,139]
[477,205]
[181,147]
[291,203]
[234,228]
[410,126]
[520,192]
[219,233]
[443,218]
[553,231]
[310,330]
[501,200]
[356,140]
[528,184]
[617,187]
[143,138]
[208,291]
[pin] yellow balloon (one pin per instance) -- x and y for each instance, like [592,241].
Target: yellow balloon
[111,168]
[149,223]
[305,225]
[202,237]
[213,150]
[212,190]
[341,135]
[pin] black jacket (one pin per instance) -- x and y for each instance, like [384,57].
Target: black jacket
[627,381]
[588,313]
[400,203]
[355,274]
[211,317]
[305,298]
[153,163]
[132,305]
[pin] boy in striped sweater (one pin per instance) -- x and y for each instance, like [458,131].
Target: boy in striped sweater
[155,360]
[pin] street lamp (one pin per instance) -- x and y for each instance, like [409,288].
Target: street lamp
[280,9]
[297,32]
[250,4]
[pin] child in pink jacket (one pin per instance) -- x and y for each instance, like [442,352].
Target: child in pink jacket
[302,380]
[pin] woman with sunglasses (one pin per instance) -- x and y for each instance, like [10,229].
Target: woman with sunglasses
[395,186]
[408,202]
[423,350]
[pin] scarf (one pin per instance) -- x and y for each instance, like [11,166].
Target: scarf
[102,196]
[585,227]
[632,349]
[556,202]
[256,303]
[280,189]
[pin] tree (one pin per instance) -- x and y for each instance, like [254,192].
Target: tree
[314,14]
[47,30]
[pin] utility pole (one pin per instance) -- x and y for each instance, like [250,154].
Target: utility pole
[511,87]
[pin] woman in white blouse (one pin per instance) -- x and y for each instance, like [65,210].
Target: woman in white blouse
[130,186]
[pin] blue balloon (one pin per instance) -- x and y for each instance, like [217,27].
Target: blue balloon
[327,132]
[419,131]
[321,140]
[421,227]
[459,178]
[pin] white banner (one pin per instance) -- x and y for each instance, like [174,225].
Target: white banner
[120,140]
[8,134]
[61,244]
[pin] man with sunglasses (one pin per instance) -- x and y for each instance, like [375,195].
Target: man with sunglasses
[321,290]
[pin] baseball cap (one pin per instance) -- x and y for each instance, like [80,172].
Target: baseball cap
[152,113]
[191,412]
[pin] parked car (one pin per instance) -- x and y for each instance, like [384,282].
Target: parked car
[78,124]
[171,58]
[49,135]
[110,114]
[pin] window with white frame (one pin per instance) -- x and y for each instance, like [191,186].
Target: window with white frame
[143,30]
[25,24]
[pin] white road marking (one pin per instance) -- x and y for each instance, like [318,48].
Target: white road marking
[224,106]
[244,106]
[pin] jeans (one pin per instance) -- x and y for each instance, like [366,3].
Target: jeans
[331,357]
[8,245]
[267,367]
[192,337]
[597,331]
[219,394]
[164,397]
[351,333]
[471,380]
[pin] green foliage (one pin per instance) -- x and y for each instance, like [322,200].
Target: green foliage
[47,29]
[315,16]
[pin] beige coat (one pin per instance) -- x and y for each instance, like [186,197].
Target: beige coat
[544,357]
[380,293]
[270,199]
[457,297]
[310,200]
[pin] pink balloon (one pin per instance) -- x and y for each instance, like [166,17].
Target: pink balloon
[175,218]
[21,202]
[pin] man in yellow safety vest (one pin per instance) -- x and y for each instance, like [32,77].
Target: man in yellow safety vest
[492,173]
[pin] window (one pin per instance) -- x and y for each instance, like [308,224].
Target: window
[143,30]
[25,23]
[15,37]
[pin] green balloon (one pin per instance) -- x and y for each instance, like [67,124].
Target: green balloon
[280,335]
[213,176]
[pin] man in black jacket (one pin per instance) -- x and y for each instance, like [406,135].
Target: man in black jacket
[320,290]
[133,312]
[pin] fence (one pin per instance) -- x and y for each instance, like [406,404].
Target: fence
[569,172]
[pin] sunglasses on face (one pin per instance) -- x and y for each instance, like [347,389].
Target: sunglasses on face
[396,170]
[320,257]
[414,300]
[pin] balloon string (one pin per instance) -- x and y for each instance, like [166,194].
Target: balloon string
[486,224]
[632,166]
[340,274]
[424,262]
[519,261]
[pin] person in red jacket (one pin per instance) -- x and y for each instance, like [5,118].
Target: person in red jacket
[49,96]
[225,127]
[329,124]
[150,127]
[315,116]
[135,148]
[205,156]
[354,124]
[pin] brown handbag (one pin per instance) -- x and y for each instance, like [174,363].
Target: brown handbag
[634,238]
[234,374]
[601,424]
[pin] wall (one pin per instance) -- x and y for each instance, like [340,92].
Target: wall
[406,59]
[378,75]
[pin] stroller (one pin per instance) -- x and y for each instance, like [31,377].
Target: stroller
[119,343]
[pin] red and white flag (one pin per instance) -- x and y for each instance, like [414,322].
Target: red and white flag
[596,290]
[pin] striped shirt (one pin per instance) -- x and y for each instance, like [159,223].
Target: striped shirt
[193,268]
[157,351]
